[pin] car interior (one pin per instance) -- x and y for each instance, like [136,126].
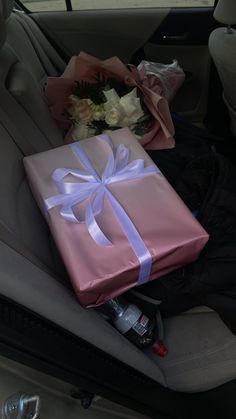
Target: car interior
[42,324]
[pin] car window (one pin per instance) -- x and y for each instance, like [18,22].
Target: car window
[59,5]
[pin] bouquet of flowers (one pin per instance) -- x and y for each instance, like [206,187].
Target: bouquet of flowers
[106,106]
[93,96]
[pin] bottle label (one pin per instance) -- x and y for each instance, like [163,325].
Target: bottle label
[140,325]
[128,319]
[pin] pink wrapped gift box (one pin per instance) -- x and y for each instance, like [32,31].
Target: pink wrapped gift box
[116,220]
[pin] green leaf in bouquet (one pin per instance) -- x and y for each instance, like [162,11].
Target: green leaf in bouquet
[85,90]
[101,126]
[144,118]
[120,88]
[144,125]
[140,130]
[94,91]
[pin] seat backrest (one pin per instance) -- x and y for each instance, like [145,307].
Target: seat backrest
[222,46]
[22,98]
[25,124]
[30,45]
[23,282]
[19,213]
[3,32]
[23,101]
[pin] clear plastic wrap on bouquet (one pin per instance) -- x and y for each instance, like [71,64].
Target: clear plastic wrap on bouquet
[169,77]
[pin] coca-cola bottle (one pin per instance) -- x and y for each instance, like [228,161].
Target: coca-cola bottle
[130,321]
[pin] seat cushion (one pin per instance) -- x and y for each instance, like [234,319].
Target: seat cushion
[202,352]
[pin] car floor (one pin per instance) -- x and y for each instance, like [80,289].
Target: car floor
[55,395]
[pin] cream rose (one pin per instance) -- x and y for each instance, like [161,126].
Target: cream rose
[124,111]
[132,107]
[81,132]
[111,96]
[113,114]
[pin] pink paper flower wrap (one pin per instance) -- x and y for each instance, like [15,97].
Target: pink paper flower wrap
[111,201]
[85,68]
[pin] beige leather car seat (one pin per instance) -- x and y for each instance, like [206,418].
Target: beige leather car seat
[24,68]
[222,46]
[37,53]
[202,351]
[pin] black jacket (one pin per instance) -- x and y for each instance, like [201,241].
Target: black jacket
[207,184]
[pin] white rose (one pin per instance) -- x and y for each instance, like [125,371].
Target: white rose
[81,131]
[111,95]
[98,115]
[124,111]
[132,108]
[113,114]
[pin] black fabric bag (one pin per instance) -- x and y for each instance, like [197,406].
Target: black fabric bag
[208,187]
[207,184]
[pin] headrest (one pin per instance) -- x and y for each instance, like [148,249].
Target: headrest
[3,31]
[225,12]
[6,7]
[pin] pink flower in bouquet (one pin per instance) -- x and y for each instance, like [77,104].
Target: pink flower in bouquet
[80,109]
[85,110]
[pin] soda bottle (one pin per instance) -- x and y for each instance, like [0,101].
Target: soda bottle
[130,321]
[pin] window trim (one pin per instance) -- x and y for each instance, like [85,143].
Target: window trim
[69,7]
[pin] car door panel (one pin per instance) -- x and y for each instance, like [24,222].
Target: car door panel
[156,34]
[183,35]
[103,33]
[191,100]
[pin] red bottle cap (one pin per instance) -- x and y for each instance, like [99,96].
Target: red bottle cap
[160,349]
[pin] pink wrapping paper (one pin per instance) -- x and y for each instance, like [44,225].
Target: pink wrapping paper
[173,236]
[85,67]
